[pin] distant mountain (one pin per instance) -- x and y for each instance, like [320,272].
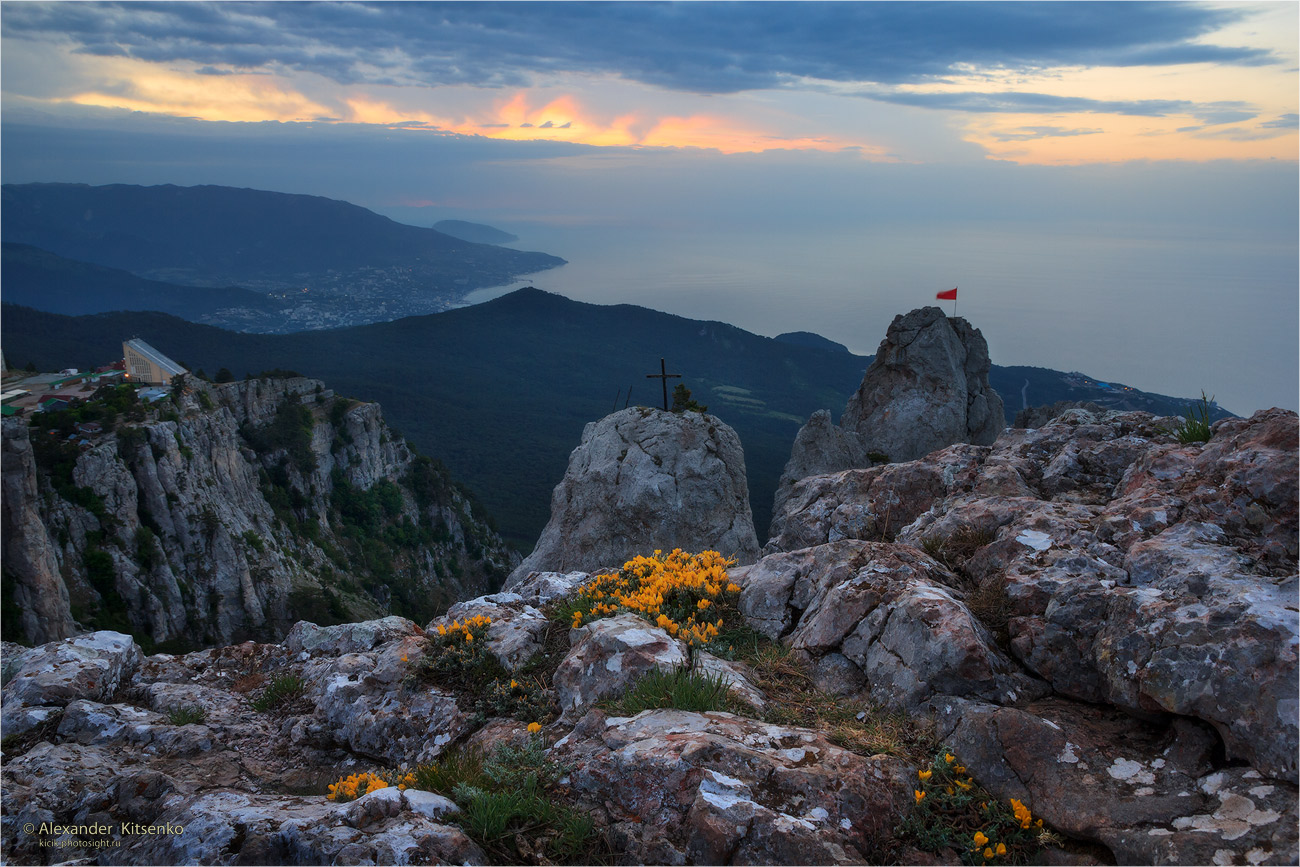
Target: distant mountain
[309,246]
[500,391]
[39,279]
[476,232]
[815,341]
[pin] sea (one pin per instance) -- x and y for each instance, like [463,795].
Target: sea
[1171,314]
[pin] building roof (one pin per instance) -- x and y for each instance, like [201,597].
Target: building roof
[13,394]
[153,355]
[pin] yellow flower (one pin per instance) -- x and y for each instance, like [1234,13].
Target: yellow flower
[534,728]
[988,853]
[925,775]
[1002,849]
[514,684]
[948,790]
[980,839]
[1022,813]
[403,657]
[963,785]
[959,769]
[919,795]
[949,758]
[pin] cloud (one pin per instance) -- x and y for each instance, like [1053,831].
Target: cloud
[1037,132]
[1022,103]
[1286,121]
[696,47]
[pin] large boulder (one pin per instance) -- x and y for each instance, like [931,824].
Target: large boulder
[711,788]
[644,479]
[883,613]
[1149,793]
[927,388]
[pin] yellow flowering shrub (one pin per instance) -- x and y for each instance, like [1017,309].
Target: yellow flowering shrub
[688,595]
[353,786]
[458,657]
[948,803]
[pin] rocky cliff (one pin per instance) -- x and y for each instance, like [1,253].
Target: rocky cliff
[642,479]
[228,512]
[927,388]
[1077,645]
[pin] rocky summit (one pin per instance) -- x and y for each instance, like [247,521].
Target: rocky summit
[1088,626]
[643,479]
[927,388]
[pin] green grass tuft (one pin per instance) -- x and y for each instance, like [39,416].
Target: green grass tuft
[282,690]
[183,716]
[682,689]
[1196,427]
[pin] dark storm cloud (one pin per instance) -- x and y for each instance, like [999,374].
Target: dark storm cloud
[701,47]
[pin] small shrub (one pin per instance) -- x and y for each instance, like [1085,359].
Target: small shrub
[955,550]
[353,786]
[1196,426]
[509,805]
[524,698]
[183,716]
[682,689]
[459,656]
[686,594]
[951,811]
[282,690]
[254,541]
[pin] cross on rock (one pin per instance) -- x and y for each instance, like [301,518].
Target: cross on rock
[664,376]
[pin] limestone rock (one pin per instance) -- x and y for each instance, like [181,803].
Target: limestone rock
[886,610]
[347,638]
[608,656]
[39,590]
[518,630]
[172,530]
[1147,792]
[362,702]
[644,479]
[380,828]
[927,389]
[90,666]
[712,788]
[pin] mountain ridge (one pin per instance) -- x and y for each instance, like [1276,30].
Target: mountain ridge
[501,391]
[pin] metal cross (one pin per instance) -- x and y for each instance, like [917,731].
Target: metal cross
[663,375]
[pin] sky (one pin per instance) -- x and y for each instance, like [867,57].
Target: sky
[1159,124]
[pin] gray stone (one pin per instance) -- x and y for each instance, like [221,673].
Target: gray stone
[927,389]
[608,656]
[641,480]
[90,666]
[712,788]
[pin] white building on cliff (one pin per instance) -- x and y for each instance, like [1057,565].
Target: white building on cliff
[148,365]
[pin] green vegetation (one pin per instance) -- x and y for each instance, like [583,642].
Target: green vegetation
[283,690]
[682,401]
[290,430]
[511,805]
[459,659]
[254,541]
[951,812]
[1196,426]
[186,715]
[681,688]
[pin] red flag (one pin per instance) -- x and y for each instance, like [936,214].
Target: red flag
[950,295]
